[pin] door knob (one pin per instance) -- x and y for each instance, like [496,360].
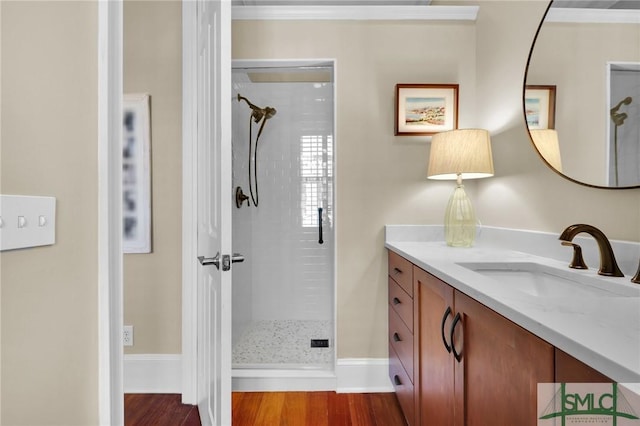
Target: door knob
[206,261]
[226,260]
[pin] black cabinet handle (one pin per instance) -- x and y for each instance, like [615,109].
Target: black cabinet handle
[396,301]
[456,354]
[396,380]
[444,319]
[397,271]
[396,337]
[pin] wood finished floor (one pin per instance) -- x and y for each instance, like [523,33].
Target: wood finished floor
[272,409]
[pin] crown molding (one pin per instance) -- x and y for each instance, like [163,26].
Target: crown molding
[593,16]
[356,13]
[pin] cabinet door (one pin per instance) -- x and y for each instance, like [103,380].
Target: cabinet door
[436,363]
[570,370]
[501,365]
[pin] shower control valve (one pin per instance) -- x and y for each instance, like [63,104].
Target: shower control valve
[241,197]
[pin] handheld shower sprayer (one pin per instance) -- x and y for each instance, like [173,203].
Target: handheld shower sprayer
[619,117]
[618,120]
[257,115]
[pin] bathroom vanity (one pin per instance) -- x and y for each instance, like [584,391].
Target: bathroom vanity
[471,338]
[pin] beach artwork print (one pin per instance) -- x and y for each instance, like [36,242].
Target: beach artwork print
[532,108]
[539,106]
[426,109]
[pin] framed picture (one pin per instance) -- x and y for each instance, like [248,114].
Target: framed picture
[136,174]
[426,109]
[540,106]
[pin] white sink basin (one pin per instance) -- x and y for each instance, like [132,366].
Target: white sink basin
[545,281]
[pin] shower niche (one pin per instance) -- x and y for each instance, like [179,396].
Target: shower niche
[283,217]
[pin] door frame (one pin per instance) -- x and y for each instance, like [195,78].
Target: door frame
[110,277]
[189,205]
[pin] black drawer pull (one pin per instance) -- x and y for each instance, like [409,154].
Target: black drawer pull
[396,337]
[397,271]
[396,301]
[444,320]
[397,381]
[456,354]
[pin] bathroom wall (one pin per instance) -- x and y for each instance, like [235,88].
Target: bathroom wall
[49,301]
[525,193]
[152,281]
[380,178]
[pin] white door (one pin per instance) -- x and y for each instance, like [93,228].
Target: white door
[214,211]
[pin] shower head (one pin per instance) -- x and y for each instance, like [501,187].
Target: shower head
[625,101]
[258,113]
[269,112]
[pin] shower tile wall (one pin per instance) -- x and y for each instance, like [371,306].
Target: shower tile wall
[288,275]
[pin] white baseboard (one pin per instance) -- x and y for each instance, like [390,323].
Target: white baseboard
[153,373]
[159,373]
[363,375]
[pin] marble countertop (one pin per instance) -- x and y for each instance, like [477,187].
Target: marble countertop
[603,332]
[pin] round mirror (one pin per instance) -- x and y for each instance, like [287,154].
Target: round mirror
[582,91]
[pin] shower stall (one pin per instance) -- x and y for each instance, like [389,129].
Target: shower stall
[283,218]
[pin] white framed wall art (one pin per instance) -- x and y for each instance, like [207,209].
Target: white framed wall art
[136,174]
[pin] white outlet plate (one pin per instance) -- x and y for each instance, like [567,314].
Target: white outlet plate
[127,335]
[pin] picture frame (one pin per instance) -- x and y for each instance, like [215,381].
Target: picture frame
[540,106]
[425,109]
[136,174]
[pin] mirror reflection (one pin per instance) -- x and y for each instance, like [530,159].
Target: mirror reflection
[582,94]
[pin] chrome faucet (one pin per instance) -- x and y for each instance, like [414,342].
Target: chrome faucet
[608,265]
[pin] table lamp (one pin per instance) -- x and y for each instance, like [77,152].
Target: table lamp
[546,141]
[460,154]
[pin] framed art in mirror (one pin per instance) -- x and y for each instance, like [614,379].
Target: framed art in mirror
[425,109]
[540,106]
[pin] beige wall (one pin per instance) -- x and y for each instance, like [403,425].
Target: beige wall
[380,178]
[152,282]
[49,147]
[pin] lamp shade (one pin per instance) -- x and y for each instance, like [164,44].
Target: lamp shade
[546,141]
[462,152]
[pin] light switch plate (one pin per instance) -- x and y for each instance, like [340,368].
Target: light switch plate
[27,221]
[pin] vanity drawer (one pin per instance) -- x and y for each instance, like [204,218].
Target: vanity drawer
[402,303]
[403,386]
[401,270]
[401,340]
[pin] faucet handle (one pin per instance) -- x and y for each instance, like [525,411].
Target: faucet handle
[577,262]
[636,277]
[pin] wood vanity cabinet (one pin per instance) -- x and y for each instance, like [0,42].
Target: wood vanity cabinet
[571,370]
[470,365]
[476,367]
[402,341]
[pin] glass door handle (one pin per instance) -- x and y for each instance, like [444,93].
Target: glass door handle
[320,240]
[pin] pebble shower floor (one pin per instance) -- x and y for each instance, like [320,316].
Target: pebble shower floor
[272,343]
